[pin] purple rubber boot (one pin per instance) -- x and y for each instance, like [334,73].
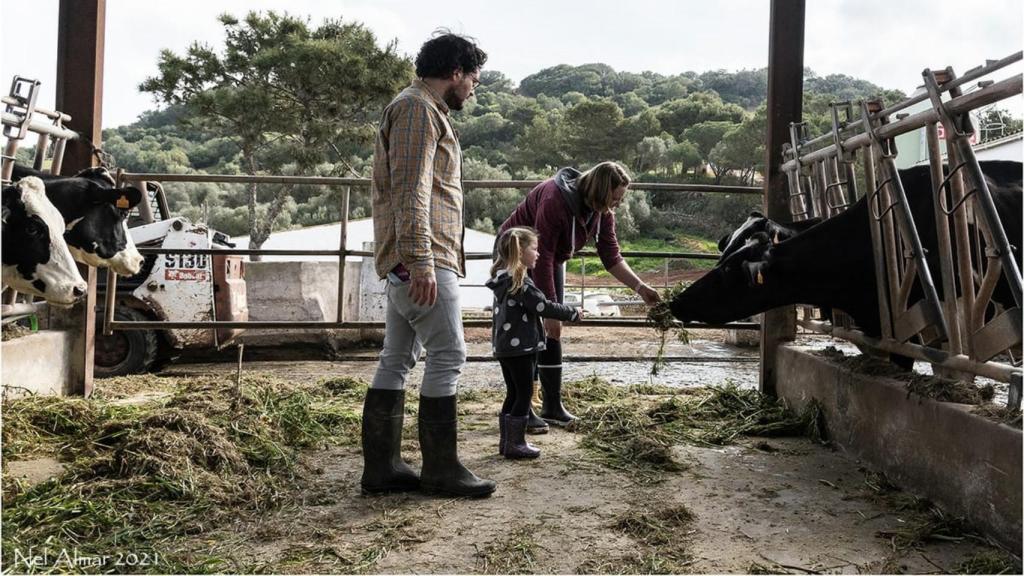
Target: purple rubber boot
[516,446]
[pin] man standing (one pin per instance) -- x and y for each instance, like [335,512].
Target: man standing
[419,230]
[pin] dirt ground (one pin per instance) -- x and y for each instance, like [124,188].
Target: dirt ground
[798,508]
[779,505]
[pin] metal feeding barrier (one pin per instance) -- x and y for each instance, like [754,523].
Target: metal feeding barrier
[961,337]
[340,322]
[20,117]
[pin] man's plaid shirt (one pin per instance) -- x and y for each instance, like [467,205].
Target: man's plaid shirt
[417,186]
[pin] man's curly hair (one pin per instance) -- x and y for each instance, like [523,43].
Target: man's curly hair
[447,53]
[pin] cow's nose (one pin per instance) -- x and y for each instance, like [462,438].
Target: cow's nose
[78,290]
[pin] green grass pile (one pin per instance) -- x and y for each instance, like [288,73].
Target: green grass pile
[141,477]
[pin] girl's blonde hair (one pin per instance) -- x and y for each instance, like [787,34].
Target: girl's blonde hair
[596,185]
[511,245]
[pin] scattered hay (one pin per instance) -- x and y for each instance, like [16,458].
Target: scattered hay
[187,456]
[591,390]
[661,319]
[934,387]
[621,436]
[921,520]
[882,491]
[661,536]
[123,387]
[345,386]
[1001,414]
[143,476]
[990,562]
[47,425]
[722,414]
[13,332]
[469,395]
[663,561]
[947,390]
[658,390]
[935,526]
[514,554]
[655,528]
[635,428]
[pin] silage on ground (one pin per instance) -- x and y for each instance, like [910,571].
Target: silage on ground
[634,428]
[142,477]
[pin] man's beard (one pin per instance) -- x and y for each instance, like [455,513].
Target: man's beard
[452,99]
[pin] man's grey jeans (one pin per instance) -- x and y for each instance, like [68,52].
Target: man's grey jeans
[409,328]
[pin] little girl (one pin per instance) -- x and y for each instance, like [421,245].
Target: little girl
[518,332]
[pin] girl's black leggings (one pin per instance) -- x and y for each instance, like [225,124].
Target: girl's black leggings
[518,372]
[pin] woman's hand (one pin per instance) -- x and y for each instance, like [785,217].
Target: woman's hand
[650,295]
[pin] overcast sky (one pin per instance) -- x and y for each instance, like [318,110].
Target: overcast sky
[888,42]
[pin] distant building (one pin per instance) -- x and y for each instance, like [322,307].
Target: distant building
[913,146]
[360,232]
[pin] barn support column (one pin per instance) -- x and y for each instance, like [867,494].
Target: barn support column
[785,100]
[80,42]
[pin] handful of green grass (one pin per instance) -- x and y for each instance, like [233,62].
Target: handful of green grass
[661,319]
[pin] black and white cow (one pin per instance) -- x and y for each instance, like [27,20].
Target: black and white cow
[35,256]
[96,217]
[831,265]
[758,223]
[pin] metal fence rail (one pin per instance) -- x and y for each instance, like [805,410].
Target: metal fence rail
[110,324]
[958,336]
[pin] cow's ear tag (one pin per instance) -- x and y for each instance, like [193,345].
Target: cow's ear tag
[760,277]
[122,202]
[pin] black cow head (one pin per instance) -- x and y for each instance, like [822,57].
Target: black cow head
[97,233]
[756,223]
[738,287]
[35,256]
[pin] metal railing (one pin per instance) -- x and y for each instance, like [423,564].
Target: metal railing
[19,118]
[110,324]
[956,335]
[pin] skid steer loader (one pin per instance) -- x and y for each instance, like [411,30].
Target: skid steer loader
[170,287]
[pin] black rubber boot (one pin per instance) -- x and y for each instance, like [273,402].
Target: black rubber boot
[442,472]
[383,468]
[550,366]
[534,423]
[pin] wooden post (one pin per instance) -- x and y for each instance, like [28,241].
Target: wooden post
[80,41]
[785,100]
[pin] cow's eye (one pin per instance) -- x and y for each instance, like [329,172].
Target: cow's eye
[34,230]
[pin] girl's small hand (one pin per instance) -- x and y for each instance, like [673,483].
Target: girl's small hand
[582,314]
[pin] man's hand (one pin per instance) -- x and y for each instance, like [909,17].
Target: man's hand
[553,328]
[650,295]
[423,290]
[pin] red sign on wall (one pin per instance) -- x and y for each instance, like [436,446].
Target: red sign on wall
[973,139]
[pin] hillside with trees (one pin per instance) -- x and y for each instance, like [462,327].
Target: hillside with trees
[283,96]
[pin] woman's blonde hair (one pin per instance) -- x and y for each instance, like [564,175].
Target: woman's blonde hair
[511,245]
[596,185]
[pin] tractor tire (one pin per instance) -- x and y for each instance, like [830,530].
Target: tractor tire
[125,351]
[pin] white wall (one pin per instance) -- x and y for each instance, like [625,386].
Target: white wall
[328,237]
